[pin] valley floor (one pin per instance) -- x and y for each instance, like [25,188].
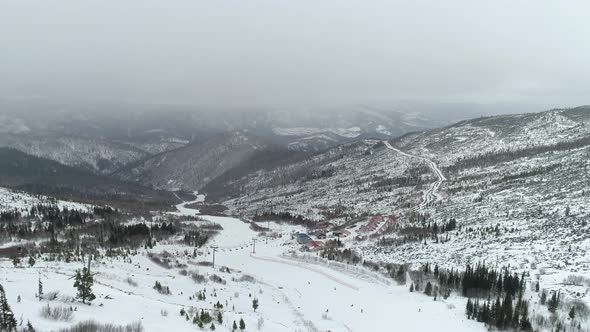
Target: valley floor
[293,296]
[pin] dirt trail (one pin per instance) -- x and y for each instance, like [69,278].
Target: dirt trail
[431,194]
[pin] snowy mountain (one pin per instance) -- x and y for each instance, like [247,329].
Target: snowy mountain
[43,176]
[105,137]
[444,227]
[192,166]
[527,174]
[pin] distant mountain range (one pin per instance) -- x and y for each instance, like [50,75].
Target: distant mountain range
[183,147]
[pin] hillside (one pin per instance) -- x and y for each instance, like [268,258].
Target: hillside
[194,165]
[526,175]
[106,137]
[43,176]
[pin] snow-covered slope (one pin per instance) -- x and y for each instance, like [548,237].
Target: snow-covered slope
[303,296]
[528,174]
[194,165]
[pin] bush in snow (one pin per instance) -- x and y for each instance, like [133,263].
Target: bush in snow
[131,282]
[162,289]
[580,308]
[198,278]
[59,313]
[91,326]
[217,279]
[51,296]
[245,278]
[576,280]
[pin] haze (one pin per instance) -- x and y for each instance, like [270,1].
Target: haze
[296,53]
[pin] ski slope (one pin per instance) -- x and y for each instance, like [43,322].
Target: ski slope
[293,295]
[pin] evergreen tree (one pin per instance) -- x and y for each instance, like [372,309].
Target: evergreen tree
[83,282]
[234,326]
[411,287]
[525,323]
[242,324]
[15,261]
[7,320]
[255,304]
[572,313]
[212,327]
[40,289]
[553,303]
[219,317]
[469,309]
[29,327]
[507,310]
[428,289]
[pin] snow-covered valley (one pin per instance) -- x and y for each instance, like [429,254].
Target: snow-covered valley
[293,295]
[368,235]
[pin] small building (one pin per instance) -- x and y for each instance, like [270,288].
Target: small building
[311,245]
[302,238]
[341,233]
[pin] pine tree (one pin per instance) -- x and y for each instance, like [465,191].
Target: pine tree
[428,289]
[29,327]
[553,303]
[219,317]
[40,289]
[255,304]
[242,324]
[507,310]
[83,282]
[234,326]
[525,323]
[7,320]
[469,309]
[411,287]
[212,327]
[572,313]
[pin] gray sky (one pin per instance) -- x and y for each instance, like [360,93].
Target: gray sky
[296,52]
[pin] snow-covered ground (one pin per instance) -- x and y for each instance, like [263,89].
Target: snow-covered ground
[11,200]
[293,295]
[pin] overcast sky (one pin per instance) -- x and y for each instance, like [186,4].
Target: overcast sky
[297,52]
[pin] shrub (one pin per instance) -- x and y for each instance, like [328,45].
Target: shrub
[92,326]
[165,290]
[576,280]
[59,313]
[198,278]
[131,282]
[217,279]
[51,296]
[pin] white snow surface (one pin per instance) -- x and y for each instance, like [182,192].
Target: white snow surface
[295,294]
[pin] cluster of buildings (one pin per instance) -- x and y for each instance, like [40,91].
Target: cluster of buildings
[375,224]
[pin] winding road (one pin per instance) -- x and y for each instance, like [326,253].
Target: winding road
[431,194]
